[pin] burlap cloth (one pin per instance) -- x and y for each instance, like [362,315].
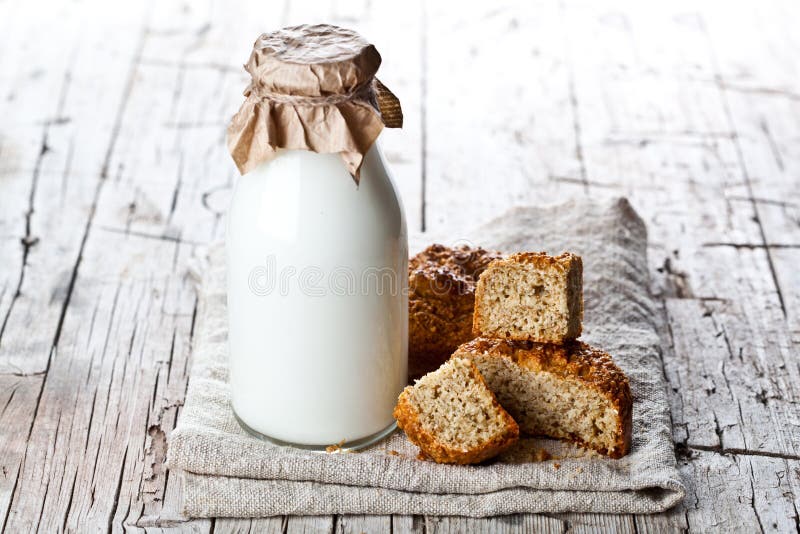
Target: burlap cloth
[228,473]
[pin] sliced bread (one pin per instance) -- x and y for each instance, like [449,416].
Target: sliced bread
[530,296]
[453,417]
[573,392]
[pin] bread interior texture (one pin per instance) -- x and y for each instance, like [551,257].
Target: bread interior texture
[543,403]
[455,406]
[520,301]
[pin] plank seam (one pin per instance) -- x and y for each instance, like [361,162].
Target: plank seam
[743,166]
[735,451]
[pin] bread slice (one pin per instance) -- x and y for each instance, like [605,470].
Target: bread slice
[441,297]
[573,392]
[453,417]
[530,296]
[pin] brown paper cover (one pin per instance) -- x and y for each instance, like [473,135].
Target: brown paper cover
[313,88]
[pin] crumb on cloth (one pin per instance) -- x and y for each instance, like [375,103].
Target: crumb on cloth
[540,455]
[331,449]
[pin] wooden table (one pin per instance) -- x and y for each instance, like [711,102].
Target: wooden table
[113,170]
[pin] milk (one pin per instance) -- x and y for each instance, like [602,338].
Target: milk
[317,300]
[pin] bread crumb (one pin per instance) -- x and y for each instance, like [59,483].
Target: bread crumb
[393,453]
[331,449]
[556,465]
[540,455]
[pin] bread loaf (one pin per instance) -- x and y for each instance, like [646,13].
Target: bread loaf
[441,298]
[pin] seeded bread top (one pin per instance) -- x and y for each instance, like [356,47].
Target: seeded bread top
[563,260]
[441,299]
[447,270]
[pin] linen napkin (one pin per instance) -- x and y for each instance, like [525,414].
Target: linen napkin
[229,473]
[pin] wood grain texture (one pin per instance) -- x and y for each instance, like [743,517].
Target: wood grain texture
[54,160]
[113,171]
[17,410]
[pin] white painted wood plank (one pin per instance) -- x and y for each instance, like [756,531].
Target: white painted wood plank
[498,525]
[241,526]
[55,100]
[718,502]
[763,101]
[405,524]
[499,125]
[585,523]
[356,524]
[310,525]
[17,409]
[729,398]
[673,520]
[118,375]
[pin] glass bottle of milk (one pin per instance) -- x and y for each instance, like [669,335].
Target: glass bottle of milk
[317,247]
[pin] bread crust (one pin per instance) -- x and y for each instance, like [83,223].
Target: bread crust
[408,419]
[571,265]
[441,298]
[575,360]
